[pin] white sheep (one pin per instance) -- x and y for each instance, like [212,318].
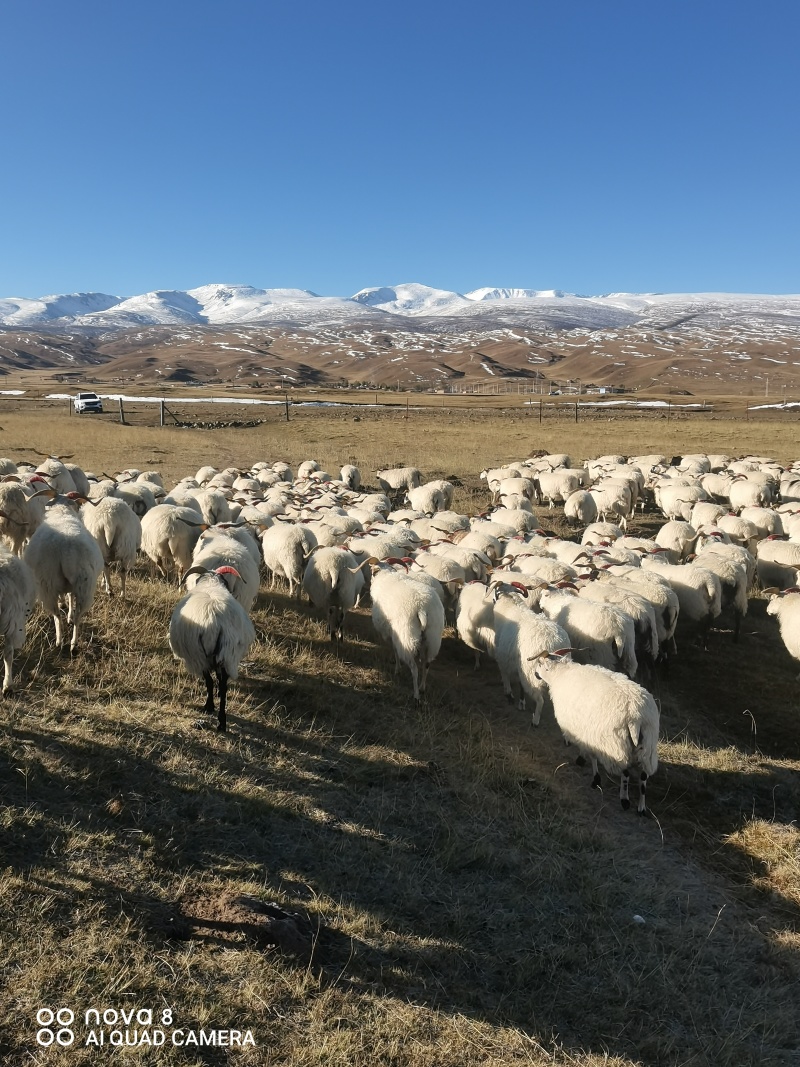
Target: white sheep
[66,562]
[580,508]
[17,597]
[555,486]
[698,589]
[410,616]
[785,607]
[475,619]
[395,478]
[778,562]
[612,500]
[15,517]
[351,476]
[286,547]
[219,550]
[118,532]
[213,506]
[610,719]
[169,534]
[601,634]
[210,632]
[748,494]
[333,583]
[734,580]
[639,608]
[521,636]
[427,498]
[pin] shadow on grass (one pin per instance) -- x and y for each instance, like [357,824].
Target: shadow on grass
[447,881]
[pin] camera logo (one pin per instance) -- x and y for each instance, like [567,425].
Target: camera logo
[63,1018]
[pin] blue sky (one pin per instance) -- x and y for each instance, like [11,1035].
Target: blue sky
[625,146]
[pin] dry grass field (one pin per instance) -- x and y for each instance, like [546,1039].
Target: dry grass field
[462,896]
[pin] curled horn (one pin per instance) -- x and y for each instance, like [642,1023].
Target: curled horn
[520,588]
[371,560]
[548,654]
[566,585]
[194,570]
[308,555]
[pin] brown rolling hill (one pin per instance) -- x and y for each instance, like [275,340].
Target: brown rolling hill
[708,358]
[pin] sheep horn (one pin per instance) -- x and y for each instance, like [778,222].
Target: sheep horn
[193,570]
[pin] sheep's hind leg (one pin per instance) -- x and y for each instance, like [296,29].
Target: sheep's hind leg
[595,775]
[8,662]
[623,788]
[222,681]
[642,808]
[209,704]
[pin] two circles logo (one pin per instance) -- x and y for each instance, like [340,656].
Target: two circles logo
[55,1026]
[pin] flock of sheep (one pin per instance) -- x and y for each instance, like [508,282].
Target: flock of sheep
[586,622]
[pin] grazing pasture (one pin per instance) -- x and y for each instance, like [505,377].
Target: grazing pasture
[448,889]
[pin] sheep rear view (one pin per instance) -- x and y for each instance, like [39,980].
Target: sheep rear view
[410,617]
[608,717]
[66,562]
[210,632]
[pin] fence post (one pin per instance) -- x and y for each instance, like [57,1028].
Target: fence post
[121,412]
[406,406]
[747,413]
[286,398]
[161,407]
[669,409]
[540,411]
[576,410]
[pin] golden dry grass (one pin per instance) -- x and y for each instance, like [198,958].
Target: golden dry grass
[477,897]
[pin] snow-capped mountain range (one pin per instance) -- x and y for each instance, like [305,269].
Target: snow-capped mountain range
[481,309]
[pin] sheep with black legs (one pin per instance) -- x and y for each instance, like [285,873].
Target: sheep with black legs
[66,562]
[17,597]
[610,719]
[210,632]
